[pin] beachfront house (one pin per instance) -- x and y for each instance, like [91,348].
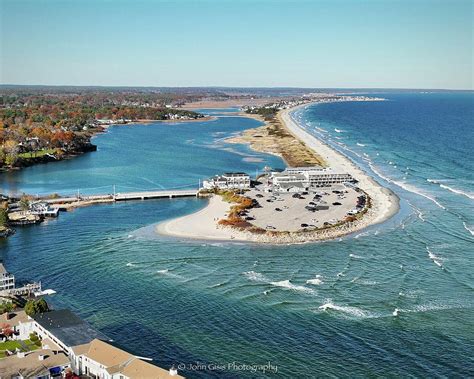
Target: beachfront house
[229,180]
[88,352]
[37,364]
[43,209]
[62,330]
[7,280]
[289,182]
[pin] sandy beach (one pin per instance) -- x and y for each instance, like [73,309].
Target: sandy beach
[203,224]
[384,202]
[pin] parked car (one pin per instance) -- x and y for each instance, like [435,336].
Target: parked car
[336,203]
[278,209]
[304,225]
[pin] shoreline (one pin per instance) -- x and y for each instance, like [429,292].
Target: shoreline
[101,129]
[384,202]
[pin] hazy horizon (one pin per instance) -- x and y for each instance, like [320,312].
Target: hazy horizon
[299,44]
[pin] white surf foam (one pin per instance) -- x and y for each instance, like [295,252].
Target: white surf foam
[413,189]
[360,144]
[351,311]
[469,228]
[316,281]
[437,260]
[291,286]
[337,130]
[255,276]
[419,213]
[457,191]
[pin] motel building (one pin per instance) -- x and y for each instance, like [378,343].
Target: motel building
[229,180]
[301,179]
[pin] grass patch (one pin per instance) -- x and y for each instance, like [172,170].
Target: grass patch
[37,154]
[14,344]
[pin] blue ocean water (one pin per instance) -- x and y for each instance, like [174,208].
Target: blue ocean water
[187,302]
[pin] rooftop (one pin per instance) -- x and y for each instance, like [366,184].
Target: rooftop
[30,365]
[67,327]
[117,361]
[235,174]
[3,270]
[16,318]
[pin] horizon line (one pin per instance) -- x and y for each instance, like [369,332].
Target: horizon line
[236,87]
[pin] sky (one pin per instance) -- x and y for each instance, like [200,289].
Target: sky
[240,43]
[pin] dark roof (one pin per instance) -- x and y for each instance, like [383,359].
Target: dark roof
[234,173]
[69,328]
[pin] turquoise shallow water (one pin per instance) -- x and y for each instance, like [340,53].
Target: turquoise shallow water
[189,302]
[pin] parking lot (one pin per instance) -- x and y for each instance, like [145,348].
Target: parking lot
[293,212]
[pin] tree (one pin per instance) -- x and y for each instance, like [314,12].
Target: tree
[24,203]
[33,307]
[3,217]
[42,306]
[6,307]
[30,308]
[7,330]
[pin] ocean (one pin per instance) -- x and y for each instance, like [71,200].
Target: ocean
[395,300]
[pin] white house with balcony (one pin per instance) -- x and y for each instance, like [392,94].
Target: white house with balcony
[229,180]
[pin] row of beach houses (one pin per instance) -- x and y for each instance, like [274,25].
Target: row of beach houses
[291,180]
[70,347]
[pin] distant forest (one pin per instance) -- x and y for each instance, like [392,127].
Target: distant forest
[38,123]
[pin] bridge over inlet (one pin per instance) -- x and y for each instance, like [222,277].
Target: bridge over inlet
[123,196]
[155,194]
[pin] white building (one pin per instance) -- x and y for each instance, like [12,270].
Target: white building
[300,179]
[100,359]
[229,180]
[7,280]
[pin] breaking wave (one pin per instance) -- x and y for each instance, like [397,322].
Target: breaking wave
[291,286]
[437,260]
[316,281]
[469,195]
[255,276]
[468,228]
[348,310]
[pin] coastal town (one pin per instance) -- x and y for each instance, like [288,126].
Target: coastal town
[316,197]
[319,195]
[46,125]
[39,342]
